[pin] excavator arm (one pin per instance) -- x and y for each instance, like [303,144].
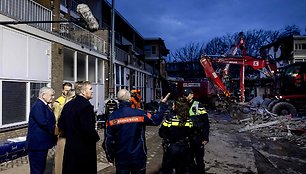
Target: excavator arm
[211,73]
[258,64]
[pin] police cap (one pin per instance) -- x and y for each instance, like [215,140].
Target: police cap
[187,91]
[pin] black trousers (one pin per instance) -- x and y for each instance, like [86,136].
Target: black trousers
[177,157]
[197,149]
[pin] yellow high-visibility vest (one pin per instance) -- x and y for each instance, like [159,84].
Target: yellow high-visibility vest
[176,122]
[197,110]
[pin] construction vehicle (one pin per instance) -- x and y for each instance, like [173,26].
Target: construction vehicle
[289,90]
[244,60]
[202,89]
[258,64]
[289,83]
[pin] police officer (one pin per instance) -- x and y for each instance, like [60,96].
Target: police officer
[200,137]
[176,131]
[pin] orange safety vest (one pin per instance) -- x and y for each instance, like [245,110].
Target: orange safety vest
[135,103]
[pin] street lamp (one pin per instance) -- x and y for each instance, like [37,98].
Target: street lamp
[112,55]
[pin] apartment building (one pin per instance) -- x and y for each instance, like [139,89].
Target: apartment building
[286,50]
[33,55]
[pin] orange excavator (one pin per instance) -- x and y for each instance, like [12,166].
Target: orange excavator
[244,60]
[289,82]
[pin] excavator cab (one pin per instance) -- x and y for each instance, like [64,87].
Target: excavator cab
[293,79]
[290,93]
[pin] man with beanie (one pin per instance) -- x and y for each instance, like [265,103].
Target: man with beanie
[124,142]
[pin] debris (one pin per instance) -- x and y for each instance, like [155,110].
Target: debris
[258,126]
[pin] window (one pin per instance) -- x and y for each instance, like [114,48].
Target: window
[117,74]
[81,67]
[122,75]
[13,102]
[100,71]
[92,69]
[300,46]
[34,91]
[68,65]
[153,49]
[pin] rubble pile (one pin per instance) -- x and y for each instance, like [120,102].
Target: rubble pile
[270,126]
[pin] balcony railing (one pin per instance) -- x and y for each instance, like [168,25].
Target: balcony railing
[121,55]
[82,36]
[72,3]
[28,10]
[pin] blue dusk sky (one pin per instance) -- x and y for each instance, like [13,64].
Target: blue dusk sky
[180,22]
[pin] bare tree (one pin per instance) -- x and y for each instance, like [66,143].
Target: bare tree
[190,53]
[290,30]
[254,40]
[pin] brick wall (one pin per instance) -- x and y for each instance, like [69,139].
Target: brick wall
[13,134]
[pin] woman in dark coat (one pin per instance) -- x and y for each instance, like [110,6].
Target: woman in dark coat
[176,131]
[77,121]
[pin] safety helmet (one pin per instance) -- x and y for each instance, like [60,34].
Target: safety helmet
[187,91]
[135,91]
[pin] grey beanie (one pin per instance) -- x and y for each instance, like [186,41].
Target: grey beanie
[123,95]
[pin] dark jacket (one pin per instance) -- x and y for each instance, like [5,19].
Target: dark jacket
[176,143]
[172,130]
[125,132]
[199,117]
[77,121]
[41,127]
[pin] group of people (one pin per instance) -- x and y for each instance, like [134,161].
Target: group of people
[185,131]
[69,123]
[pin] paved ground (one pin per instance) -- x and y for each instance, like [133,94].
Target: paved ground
[21,165]
[227,152]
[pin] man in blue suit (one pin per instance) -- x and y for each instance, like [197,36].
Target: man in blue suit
[40,137]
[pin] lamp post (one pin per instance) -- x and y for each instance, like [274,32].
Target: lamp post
[111,81]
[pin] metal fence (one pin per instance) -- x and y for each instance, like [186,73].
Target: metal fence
[83,37]
[28,10]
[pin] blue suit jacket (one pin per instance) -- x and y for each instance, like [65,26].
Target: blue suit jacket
[41,127]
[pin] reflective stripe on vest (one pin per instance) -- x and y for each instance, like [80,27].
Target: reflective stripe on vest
[198,111]
[176,122]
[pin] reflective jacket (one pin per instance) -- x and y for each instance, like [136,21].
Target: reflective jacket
[199,116]
[125,132]
[173,130]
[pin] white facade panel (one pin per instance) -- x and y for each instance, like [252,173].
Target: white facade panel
[1,56]
[14,54]
[93,101]
[39,59]
[101,98]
